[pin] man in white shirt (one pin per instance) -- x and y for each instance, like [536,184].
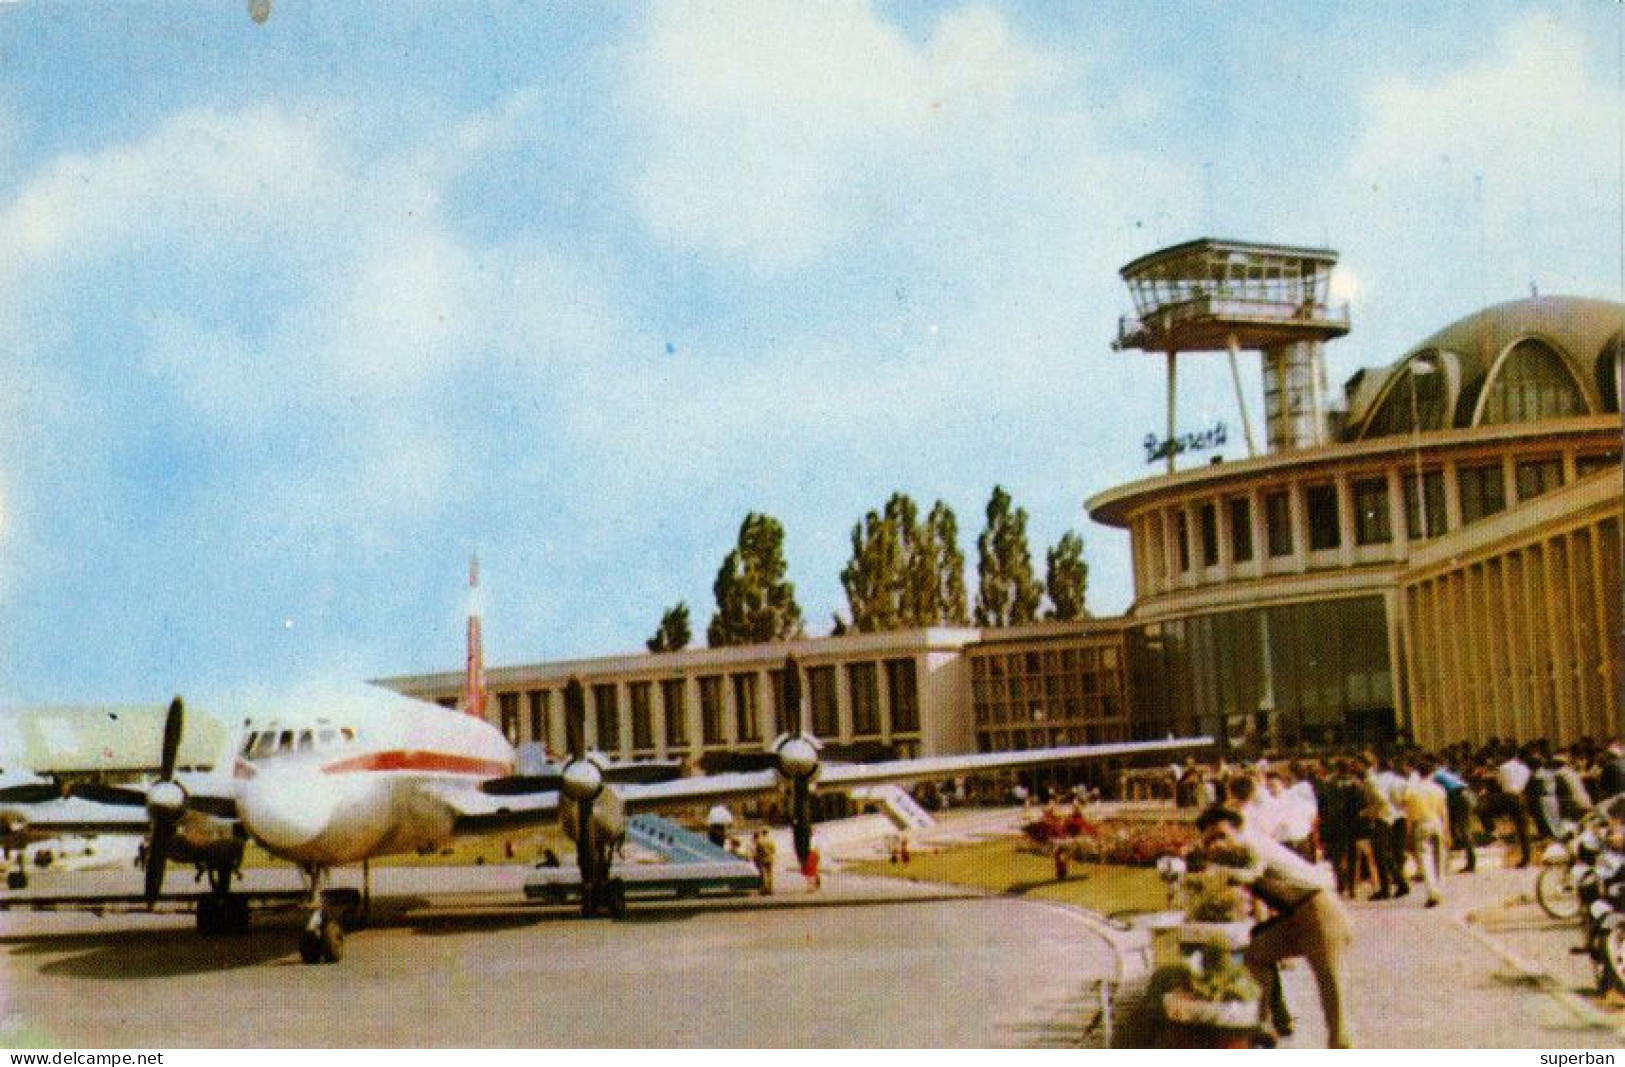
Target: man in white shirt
[1512,776]
[1307,920]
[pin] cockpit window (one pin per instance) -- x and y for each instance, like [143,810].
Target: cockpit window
[325,736]
[305,740]
[248,744]
[349,734]
[285,741]
[265,744]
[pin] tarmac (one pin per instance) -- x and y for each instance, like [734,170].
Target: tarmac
[453,960]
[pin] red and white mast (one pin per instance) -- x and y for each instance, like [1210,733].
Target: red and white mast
[474,675]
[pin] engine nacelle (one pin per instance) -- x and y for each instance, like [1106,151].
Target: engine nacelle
[798,758]
[166,799]
[582,779]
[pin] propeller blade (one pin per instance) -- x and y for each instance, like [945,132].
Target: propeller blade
[586,855]
[173,723]
[792,694]
[31,793]
[801,817]
[109,794]
[575,718]
[163,835]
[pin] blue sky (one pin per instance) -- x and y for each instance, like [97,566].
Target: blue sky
[296,316]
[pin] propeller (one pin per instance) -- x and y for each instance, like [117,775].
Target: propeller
[30,793]
[166,803]
[582,782]
[798,761]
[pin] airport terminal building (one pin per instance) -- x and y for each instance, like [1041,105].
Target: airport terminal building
[1434,554]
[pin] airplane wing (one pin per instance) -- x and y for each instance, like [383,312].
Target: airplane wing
[716,788]
[476,812]
[506,804]
[74,816]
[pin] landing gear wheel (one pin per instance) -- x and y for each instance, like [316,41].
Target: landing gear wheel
[322,940]
[210,920]
[615,899]
[332,941]
[234,915]
[16,879]
[310,945]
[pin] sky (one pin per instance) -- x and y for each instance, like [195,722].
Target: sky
[298,315]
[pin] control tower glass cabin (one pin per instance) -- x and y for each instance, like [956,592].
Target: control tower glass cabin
[1210,295]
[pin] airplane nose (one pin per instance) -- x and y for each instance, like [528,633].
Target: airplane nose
[284,815]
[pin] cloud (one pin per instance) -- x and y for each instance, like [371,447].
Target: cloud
[778,132]
[1507,163]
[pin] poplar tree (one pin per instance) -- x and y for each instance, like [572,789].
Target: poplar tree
[905,573]
[674,633]
[1007,592]
[755,603]
[1067,579]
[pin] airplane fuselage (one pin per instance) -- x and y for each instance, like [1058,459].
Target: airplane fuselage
[345,787]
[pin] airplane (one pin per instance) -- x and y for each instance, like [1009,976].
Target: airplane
[351,776]
[367,774]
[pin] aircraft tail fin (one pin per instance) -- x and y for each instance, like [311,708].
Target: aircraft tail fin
[474,674]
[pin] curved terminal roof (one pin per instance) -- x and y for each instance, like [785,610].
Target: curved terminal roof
[1554,355]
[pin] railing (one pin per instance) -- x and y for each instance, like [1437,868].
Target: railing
[1167,317]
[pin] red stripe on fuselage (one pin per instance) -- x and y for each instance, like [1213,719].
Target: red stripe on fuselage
[423,762]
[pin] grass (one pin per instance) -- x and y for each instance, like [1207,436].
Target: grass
[1006,866]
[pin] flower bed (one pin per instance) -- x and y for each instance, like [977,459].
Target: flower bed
[1131,843]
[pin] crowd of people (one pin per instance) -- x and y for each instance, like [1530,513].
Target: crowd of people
[1384,821]
[1378,821]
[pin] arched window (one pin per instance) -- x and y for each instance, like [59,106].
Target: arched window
[1416,400]
[1531,383]
[1608,375]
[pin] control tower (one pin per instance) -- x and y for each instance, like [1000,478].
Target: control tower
[1210,295]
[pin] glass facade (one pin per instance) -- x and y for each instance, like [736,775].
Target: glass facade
[1417,526]
[1314,672]
[1062,693]
[1483,491]
[1372,522]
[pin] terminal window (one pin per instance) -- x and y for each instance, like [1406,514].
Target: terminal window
[1321,503]
[1432,493]
[1208,520]
[1483,491]
[902,690]
[821,694]
[864,684]
[1278,523]
[1182,534]
[1241,530]
[643,728]
[538,714]
[1537,476]
[608,716]
[745,702]
[675,704]
[1372,524]
[713,730]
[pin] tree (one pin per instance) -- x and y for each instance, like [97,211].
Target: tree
[674,633]
[903,572]
[941,569]
[1066,579]
[1007,593]
[755,604]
